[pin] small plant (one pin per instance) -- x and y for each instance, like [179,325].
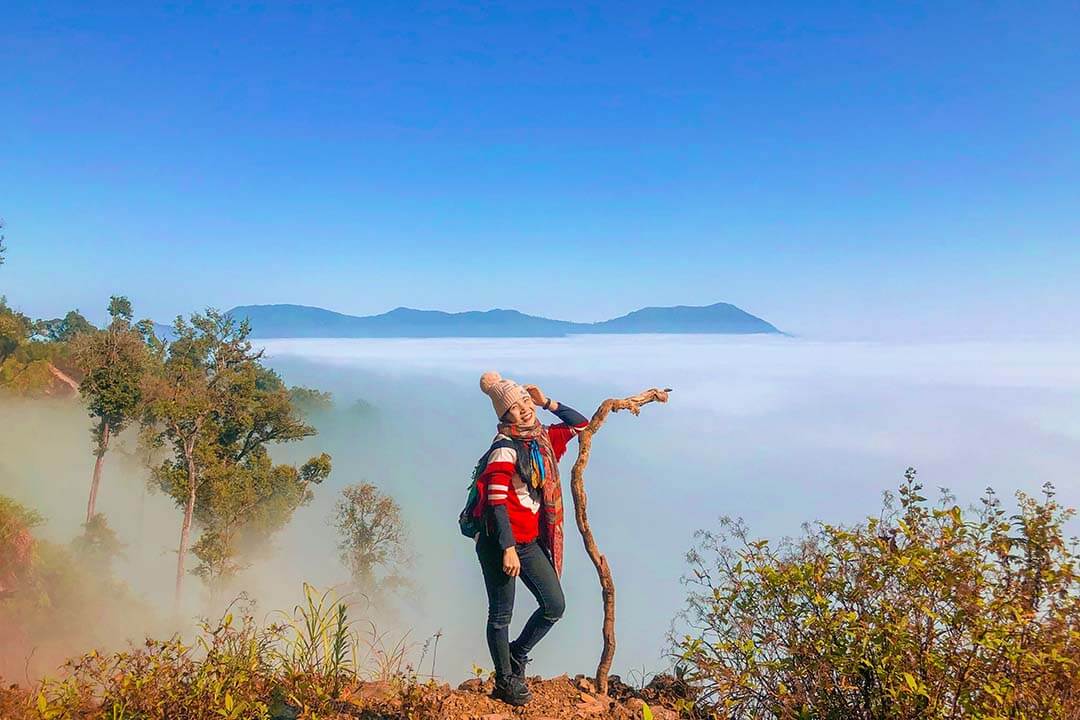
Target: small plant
[479,672]
[431,643]
[640,678]
[316,648]
[385,660]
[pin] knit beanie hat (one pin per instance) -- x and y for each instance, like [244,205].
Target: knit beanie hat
[502,391]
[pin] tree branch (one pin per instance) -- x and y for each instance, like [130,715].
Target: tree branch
[577,489]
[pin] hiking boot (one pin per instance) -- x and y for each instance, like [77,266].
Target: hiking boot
[511,690]
[518,663]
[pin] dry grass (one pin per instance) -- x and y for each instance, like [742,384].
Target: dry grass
[311,662]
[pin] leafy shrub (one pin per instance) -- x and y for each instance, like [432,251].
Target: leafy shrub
[924,612]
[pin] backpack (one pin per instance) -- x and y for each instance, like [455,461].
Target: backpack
[470,521]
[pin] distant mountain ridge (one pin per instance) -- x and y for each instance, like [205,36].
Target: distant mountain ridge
[301,321]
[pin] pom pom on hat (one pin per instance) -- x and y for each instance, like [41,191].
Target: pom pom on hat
[488,380]
[504,393]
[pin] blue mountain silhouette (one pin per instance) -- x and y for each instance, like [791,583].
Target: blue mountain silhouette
[300,321]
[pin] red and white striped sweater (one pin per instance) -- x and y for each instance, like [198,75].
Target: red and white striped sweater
[500,483]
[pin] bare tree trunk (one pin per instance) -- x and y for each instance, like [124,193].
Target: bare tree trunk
[581,502]
[185,529]
[98,463]
[142,524]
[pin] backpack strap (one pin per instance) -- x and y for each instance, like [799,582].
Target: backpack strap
[500,441]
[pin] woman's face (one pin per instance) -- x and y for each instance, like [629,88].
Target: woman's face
[523,412]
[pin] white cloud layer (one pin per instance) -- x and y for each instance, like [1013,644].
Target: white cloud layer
[776,430]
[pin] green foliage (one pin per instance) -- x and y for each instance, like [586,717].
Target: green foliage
[199,368]
[241,505]
[188,390]
[31,368]
[25,366]
[97,546]
[31,378]
[15,330]
[28,362]
[218,408]
[308,401]
[114,363]
[373,542]
[120,309]
[315,470]
[317,648]
[925,612]
[245,497]
[63,329]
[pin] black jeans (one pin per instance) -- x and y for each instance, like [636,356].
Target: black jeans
[539,576]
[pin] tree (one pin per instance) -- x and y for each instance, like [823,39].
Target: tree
[35,368]
[218,408]
[15,329]
[120,309]
[98,545]
[208,357]
[246,497]
[373,541]
[921,612]
[65,329]
[241,506]
[29,366]
[114,363]
[308,401]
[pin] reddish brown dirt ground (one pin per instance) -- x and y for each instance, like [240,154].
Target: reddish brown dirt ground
[559,698]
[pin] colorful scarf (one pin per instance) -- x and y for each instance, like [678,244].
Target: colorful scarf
[538,467]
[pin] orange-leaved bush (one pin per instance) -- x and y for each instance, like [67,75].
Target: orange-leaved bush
[926,611]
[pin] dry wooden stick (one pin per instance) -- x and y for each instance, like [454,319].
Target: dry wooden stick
[581,501]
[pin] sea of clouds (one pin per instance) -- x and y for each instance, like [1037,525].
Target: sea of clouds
[776,430]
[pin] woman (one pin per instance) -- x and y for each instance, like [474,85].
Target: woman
[521,499]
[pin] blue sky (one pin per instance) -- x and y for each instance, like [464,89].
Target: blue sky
[841,169]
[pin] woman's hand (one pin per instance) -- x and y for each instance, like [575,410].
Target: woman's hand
[536,394]
[511,562]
